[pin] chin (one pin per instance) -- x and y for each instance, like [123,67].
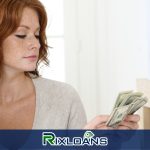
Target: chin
[30,68]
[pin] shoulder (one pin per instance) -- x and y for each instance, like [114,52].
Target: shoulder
[63,100]
[52,86]
[56,92]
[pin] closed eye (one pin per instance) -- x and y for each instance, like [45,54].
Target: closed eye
[21,36]
[24,36]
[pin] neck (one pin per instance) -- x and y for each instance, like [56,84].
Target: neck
[14,87]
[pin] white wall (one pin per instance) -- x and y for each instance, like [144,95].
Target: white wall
[106,47]
[80,47]
[123,52]
[55,38]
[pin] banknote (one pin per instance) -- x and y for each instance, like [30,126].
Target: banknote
[127,102]
[130,98]
[138,104]
[120,97]
[118,115]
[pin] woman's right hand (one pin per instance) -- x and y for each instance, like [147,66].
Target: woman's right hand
[99,122]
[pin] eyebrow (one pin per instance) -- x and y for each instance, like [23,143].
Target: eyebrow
[27,27]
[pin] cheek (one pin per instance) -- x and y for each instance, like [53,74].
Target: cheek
[11,49]
[9,44]
[12,43]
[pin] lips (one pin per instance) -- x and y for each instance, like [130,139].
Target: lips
[31,58]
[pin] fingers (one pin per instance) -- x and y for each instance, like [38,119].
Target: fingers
[133,118]
[121,127]
[98,122]
[100,119]
[104,127]
[128,125]
[130,122]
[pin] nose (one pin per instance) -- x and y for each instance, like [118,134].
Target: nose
[34,43]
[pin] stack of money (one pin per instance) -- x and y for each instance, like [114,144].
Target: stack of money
[127,103]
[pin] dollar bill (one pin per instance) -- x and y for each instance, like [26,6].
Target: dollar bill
[130,98]
[120,97]
[118,115]
[127,102]
[138,104]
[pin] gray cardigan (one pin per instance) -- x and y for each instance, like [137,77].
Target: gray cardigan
[58,106]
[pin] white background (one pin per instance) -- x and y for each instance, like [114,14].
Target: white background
[101,47]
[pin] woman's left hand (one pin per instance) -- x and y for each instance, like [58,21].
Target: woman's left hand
[130,122]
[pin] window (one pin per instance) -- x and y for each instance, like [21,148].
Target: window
[55,37]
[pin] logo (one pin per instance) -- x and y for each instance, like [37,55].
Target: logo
[49,138]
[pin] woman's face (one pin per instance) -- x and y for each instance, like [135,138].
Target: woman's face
[21,49]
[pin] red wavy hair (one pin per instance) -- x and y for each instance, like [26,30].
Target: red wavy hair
[10,17]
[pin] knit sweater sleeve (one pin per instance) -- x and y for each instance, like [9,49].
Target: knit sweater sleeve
[77,117]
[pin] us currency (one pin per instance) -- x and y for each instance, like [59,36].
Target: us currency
[138,104]
[120,97]
[130,98]
[127,102]
[118,115]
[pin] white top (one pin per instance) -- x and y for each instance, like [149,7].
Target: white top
[58,106]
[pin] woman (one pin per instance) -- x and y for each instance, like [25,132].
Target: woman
[28,101]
